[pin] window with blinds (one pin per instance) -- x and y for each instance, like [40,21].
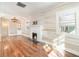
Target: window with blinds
[67,22]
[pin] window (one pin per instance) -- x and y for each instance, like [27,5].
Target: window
[67,29]
[67,22]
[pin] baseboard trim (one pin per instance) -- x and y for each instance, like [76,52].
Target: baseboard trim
[26,35]
[12,34]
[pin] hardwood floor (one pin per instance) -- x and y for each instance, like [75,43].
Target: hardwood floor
[20,46]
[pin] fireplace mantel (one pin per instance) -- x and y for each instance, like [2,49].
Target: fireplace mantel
[37,29]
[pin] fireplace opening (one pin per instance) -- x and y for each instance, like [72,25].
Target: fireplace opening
[34,37]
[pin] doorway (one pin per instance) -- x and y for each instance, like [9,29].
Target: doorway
[3,33]
[4,27]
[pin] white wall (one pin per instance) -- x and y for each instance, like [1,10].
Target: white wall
[50,21]
[26,27]
[13,27]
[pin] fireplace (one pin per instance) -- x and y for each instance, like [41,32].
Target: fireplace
[34,37]
[36,33]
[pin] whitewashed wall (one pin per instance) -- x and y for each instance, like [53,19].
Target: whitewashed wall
[50,21]
[13,28]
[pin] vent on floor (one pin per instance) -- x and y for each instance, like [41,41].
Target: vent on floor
[21,4]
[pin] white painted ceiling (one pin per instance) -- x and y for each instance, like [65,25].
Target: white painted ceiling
[32,8]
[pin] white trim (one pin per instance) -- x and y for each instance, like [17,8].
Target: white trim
[26,35]
[12,34]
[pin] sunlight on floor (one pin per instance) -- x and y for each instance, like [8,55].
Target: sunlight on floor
[6,47]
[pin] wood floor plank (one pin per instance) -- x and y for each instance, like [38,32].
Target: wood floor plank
[20,46]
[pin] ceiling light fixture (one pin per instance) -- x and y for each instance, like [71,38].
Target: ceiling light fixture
[14,19]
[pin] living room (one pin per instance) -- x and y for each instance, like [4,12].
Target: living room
[39,29]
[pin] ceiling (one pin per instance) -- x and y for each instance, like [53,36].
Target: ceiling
[32,8]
